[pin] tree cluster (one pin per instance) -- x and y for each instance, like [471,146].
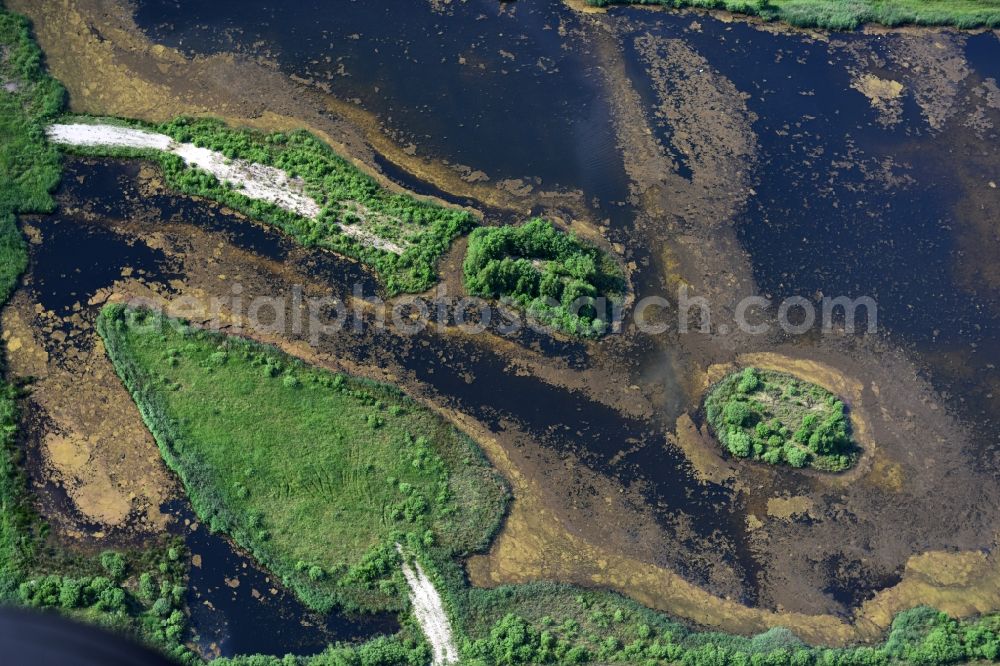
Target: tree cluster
[557,278]
[776,419]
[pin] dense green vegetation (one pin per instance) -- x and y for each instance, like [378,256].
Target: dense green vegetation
[775,418]
[555,624]
[558,279]
[29,167]
[848,14]
[550,624]
[347,197]
[317,474]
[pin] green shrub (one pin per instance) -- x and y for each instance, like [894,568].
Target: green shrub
[555,277]
[114,564]
[775,418]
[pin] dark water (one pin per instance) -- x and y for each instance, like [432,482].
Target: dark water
[817,225]
[103,255]
[462,83]
[805,235]
[238,608]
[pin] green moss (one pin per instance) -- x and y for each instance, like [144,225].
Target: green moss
[557,278]
[777,419]
[849,14]
[317,474]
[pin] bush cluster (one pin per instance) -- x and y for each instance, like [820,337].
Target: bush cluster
[544,623]
[774,418]
[847,14]
[557,278]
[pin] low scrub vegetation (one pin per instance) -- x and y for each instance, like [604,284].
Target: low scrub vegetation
[848,14]
[560,280]
[347,197]
[29,166]
[544,623]
[777,419]
[317,474]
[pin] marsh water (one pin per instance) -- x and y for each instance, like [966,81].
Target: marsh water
[849,199]
[511,90]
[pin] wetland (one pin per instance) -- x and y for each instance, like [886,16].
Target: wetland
[727,158]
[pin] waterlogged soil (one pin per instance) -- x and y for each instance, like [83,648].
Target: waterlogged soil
[854,165]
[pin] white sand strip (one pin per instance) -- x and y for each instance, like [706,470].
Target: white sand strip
[429,609]
[253,180]
[108,135]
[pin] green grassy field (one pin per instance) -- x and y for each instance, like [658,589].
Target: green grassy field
[317,474]
[558,279]
[849,14]
[778,419]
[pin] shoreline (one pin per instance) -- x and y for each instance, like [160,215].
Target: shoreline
[824,19]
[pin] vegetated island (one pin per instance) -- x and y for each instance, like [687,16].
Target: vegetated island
[293,181]
[776,418]
[319,475]
[557,278]
[844,15]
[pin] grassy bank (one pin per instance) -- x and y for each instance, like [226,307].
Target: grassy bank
[848,14]
[558,624]
[775,418]
[557,278]
[317,474]
[347,197]
[545,623]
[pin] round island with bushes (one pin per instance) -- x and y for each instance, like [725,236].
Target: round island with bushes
[775,418]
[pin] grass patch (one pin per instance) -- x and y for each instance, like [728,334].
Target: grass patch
[778,419]
[848,14]
[347,197]
[560,280]
[317,474]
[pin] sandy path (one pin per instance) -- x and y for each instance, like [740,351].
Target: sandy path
[429,609]
[253,180]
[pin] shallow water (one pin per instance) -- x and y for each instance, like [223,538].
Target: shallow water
[460,83]
[238,608]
